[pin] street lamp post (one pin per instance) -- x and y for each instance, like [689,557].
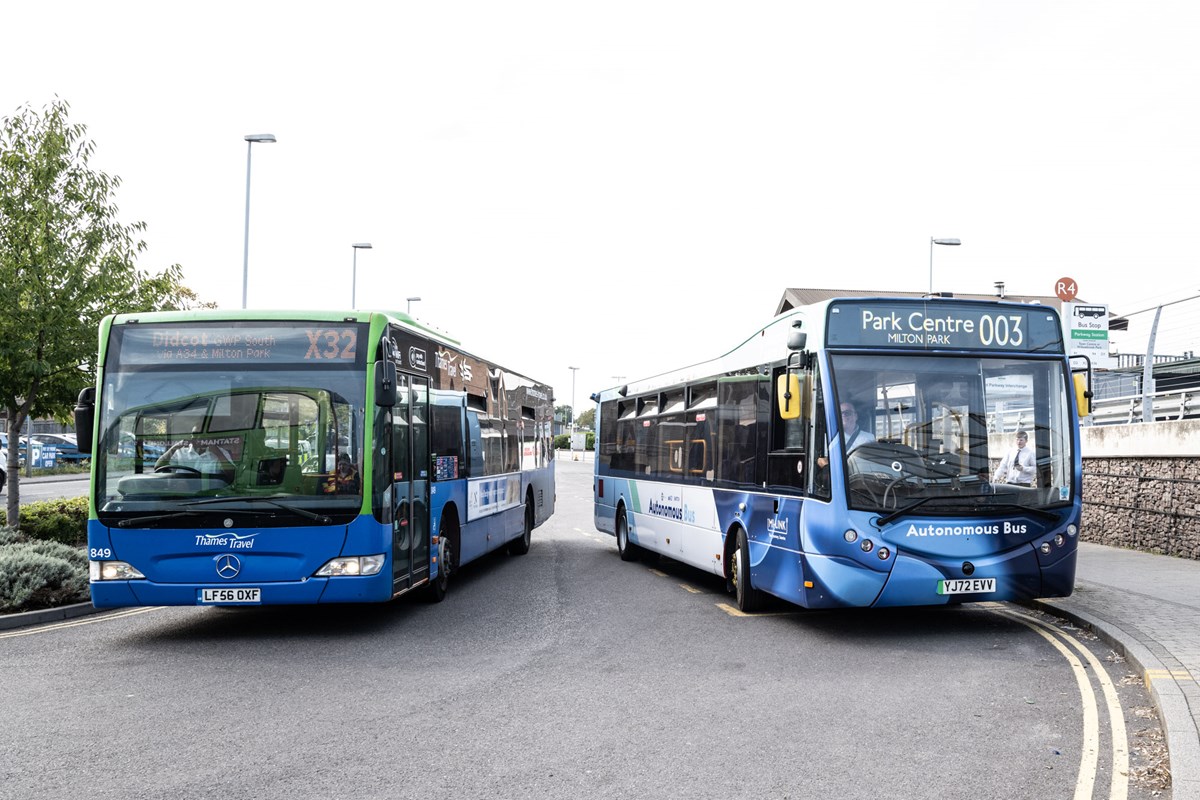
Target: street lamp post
[932,242]
[263,138]
[354,274]
[573,414]
[411,300]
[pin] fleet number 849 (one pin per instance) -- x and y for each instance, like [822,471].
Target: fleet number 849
[100,552]
[1001,331]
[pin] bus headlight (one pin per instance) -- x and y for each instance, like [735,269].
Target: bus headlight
[351,565]
[1046,548]
[113,571]
[851,536]
[1059,539]
[1072,530]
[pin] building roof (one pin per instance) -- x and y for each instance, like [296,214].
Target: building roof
[793,298]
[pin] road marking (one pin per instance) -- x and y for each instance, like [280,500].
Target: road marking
[1119,787]
[659,573]
[734,611]
[1167,675]
[58,626]
[691,589]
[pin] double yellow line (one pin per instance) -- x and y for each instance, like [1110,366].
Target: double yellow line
[1090,754]
[75,623]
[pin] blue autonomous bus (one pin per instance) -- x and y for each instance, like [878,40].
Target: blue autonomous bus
[855,453]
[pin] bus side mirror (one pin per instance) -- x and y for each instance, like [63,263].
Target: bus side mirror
[85,419]
[787,391]
[1081,377]
[796,340]
[385,384]
[1083,397]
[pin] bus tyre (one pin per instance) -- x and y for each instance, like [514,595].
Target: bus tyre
[625,548]
[445,558]
[749,599]
[519,547]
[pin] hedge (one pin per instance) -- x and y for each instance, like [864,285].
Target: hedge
[36,573]
[62,521]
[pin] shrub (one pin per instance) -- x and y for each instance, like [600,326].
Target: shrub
[62,521]
[39,574]
[562,442]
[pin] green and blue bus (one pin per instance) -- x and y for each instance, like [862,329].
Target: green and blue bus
[848,454]
[336,457]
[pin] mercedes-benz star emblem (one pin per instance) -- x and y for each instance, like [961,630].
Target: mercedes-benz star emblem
[228,566]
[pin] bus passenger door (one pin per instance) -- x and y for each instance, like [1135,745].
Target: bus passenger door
[410,482]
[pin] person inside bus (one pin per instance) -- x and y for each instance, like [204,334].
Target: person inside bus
[853,435]
[1018,467]
[345,479]
[192,453]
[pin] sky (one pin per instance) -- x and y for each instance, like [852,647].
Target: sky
[629,187]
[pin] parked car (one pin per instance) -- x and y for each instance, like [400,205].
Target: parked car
[65,445]
[25,446]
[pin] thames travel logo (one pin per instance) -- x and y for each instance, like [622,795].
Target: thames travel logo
[228,541]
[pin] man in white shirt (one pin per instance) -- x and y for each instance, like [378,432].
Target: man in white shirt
[1018,466]
[855,435]
[194,454]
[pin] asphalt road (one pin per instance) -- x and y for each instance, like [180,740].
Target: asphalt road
[562,673]
[49,488]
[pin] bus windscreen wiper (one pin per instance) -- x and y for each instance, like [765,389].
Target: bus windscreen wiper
[899,512]
[273,500]
[129,523]
[1049,516]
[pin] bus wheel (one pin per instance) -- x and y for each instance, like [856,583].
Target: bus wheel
[445,558]
[519,547]
[748,598]
[625,548]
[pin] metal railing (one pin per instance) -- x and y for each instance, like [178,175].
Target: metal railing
[1169,405]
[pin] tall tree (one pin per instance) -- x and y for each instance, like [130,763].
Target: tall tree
[66,260]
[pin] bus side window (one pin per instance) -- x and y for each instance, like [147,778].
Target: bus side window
[786,463]
[819,486]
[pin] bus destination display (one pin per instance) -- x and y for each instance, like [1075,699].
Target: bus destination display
[942,324]
[309,343]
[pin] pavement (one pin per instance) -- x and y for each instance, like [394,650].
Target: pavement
[1146,607]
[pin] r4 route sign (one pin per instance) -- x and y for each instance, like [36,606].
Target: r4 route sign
[1066,289]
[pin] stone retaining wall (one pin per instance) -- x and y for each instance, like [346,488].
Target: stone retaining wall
[1143,503]
[1141,486]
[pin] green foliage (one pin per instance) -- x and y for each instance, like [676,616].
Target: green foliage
[562,442]
[66,260]
[63,521]
[39,574]
[589,443]
[587,419]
